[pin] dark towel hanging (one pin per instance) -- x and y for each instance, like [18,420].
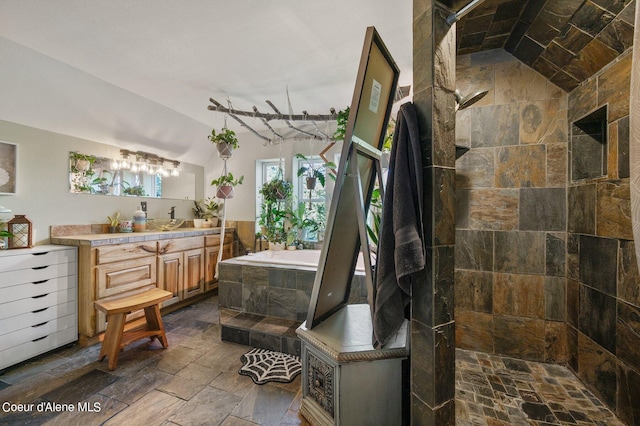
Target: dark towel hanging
[400,245]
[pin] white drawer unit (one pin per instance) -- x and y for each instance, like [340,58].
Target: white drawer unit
[38,301]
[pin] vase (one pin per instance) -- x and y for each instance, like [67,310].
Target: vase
[224,192]
[197,223]
[311,183]
[276,246]
[225,150]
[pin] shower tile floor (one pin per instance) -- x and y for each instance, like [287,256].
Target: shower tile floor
[195,381]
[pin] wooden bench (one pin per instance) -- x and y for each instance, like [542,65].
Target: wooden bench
[115,337]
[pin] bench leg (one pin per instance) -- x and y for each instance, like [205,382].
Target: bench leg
[154,323]
[113,339]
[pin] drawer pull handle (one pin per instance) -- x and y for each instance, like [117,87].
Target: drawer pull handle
[41,253]
[37,268]
[39,325]
[147,249]
[39,310]
[40,338]
[39,296]
[39,282]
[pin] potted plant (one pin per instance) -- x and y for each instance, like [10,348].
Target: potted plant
[114,222]
[81,162]
[212,209]
[200,213]
[313,170]
[82,172]
[3,234]
[292,239]
[272,222]
[225,184]
[127,189]
[225,141]
[276,189]
[299,221]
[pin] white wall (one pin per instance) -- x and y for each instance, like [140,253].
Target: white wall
[43,188]
[43,183]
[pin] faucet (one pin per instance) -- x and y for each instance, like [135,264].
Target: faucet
[172,212]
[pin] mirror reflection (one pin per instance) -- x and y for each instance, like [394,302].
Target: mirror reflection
[142,177]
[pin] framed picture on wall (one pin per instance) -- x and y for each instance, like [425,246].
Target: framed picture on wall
[8,167]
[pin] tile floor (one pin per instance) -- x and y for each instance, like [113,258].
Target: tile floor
[195,381]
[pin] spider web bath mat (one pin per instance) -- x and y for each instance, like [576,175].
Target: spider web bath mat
[264,366]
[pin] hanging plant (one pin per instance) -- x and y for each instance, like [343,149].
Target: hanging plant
[225,141]
[276,189]
[341,121]
[225,184]
[313,170]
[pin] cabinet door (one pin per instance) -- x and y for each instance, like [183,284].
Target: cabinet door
[193,272]
[170,276]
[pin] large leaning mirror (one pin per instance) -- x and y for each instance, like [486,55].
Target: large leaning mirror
[89,174]
[368,117]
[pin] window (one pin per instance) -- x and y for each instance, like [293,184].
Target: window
[266,170]
[314,195]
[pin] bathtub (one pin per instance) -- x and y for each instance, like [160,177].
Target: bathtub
[307,258]
[276,284]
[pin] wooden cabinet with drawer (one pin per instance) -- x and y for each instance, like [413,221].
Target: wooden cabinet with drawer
[116,266]
[38,301]
[181,268]
[122,269]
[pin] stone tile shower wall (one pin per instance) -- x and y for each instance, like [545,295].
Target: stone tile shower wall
[603,284]
[511,211]
[545,262]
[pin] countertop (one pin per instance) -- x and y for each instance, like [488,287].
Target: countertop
[132,237]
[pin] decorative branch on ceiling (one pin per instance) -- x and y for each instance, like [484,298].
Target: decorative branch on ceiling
[265,117]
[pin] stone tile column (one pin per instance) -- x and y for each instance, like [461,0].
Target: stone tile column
[432,365]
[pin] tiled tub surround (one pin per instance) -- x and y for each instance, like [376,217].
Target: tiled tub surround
[545,266]
[262,304]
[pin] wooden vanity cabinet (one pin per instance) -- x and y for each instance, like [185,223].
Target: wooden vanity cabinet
[181,266]
[111,267]
[212,249]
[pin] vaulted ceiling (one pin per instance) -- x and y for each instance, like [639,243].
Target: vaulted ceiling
[139,74]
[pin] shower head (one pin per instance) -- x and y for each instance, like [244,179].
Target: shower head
[467,101]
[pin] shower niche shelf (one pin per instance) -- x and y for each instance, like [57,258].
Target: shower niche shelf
[589,146]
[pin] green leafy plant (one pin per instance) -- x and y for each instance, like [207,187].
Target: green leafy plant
[311,169]
[341,121]
[272,222]
[127,189]
[276,189]
[212,207]
[4,233]
[225,136]
[276,195]
[375,213]
[227,179]
[85,161]
[199,209]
